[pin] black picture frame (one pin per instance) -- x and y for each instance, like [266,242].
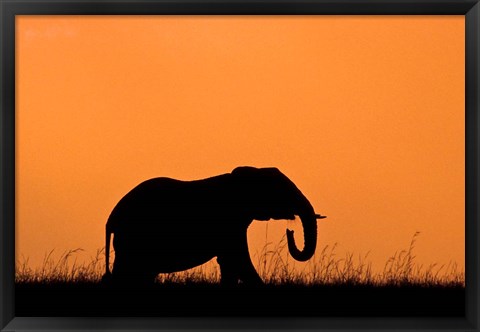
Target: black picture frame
[10,8]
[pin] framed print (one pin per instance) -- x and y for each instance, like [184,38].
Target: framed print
[179,165]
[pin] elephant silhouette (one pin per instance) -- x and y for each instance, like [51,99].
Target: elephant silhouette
[166,225]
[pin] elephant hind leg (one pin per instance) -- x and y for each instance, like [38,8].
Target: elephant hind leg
[127,272]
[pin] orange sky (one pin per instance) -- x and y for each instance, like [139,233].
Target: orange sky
[364,113]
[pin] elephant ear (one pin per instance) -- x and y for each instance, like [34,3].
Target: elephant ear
[258,186]
[253,172]
[244,177]
[244,170]
[260,182]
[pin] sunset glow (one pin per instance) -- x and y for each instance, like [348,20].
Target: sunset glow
[365,114]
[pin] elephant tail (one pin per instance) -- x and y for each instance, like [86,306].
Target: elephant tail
[108,235]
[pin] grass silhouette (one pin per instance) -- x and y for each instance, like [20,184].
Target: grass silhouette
[337,286]
[273,265]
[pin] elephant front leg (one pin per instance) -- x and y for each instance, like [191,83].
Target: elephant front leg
[236,265]
[228,271]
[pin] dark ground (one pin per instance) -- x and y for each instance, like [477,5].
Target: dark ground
[87,299]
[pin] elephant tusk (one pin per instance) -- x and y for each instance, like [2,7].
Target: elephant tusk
[318,216]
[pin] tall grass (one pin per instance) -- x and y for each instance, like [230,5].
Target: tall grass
[274,266]
[326,268]
[64,269]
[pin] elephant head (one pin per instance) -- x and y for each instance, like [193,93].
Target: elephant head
[268,194]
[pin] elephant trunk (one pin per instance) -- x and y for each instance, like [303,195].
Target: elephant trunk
[309,223]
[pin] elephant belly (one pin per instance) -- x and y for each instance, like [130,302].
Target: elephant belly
[161,254]
[179,262]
